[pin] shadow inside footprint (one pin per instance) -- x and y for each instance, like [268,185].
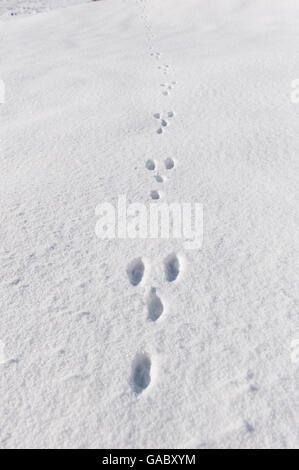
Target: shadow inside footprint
[172,267]
[135,271]
[150,165]
[159,178]
[155,195]
[141,373]
[154,305]
[169,163]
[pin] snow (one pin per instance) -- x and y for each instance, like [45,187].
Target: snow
[32,7]
[142,343]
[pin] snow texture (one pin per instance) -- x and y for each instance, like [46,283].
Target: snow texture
[142,343]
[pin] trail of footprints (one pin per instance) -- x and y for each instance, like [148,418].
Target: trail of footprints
[141,367]
[136,269]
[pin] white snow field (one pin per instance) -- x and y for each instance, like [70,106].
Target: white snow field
[31,7]
[198,354]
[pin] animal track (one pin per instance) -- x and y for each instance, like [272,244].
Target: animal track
[167,87]
[142,364]
[159,178]
[135,271]
[169,163]
[164,68]
[171,267]
[155,195]
[141,373]
[150,165]
[157,55]
[164,122]
[154,305]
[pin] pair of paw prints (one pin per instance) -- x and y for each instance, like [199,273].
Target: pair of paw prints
[136,269]
[156,55]
[168,162]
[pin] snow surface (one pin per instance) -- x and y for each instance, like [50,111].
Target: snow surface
[31,7]
[93,360]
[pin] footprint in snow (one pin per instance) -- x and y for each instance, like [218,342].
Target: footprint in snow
[135,271]
[169,163]
[155,195]
[150,165]
[141,372]
[171,267]
[154,305]
[157,55]
[159,178]
[164,68]
[163,120]
[167,87]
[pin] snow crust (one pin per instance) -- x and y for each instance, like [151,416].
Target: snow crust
[142,343]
